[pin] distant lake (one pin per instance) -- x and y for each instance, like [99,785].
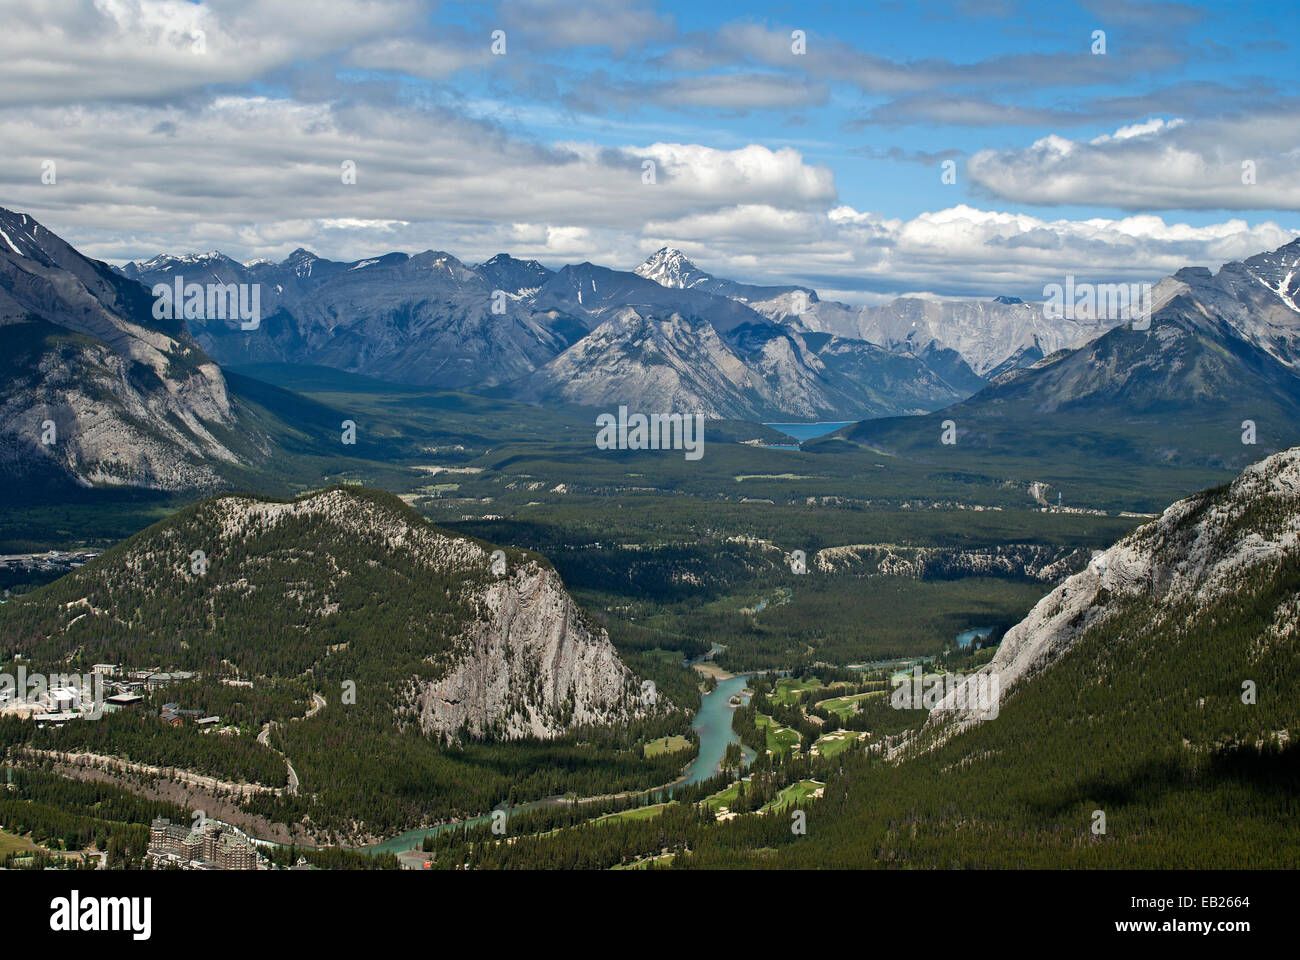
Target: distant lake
[966,636]
[806,431]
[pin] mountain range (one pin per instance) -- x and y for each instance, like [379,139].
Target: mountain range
[991,336]
[663,337]
[668,335]
[141,401]
[1213,380]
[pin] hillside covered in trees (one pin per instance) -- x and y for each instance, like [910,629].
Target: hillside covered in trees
[406,674]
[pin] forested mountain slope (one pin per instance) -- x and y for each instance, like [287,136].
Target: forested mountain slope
[1156,689]
[270,588]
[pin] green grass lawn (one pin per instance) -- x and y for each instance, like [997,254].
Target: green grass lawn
[779,739]
[636,813]
[791,795]
[667,745]
[12,843]
[831,748]
[723,798]
[787,689]
[645,862]
[843,706]
[906,676]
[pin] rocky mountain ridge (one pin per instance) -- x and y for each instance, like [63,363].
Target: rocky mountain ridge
[98,390]
[1208,381]
[584,335]
[1200,550]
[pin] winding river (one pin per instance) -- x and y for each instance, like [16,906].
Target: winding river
[712,723]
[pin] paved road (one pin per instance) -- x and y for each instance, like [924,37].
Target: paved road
[318,704]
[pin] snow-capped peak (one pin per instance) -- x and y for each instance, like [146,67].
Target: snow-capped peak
[1279,271]
[164,260]
[301,260]
[18,234]
[669,267]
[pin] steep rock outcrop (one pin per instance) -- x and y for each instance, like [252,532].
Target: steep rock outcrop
[1198,550]
[531,666]
[97,391]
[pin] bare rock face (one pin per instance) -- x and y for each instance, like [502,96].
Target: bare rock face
[1198,550]
[527,664]
[96,390]
[992,336]
[532,666]
[438,634]
[1030,560]
[667,365]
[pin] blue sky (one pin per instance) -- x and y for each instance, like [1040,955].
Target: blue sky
[1188,61]
[821,167]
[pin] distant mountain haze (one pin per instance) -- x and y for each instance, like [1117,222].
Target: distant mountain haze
[136,399]
[665,336]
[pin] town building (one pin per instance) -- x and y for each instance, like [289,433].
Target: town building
[64,699]
[213,845]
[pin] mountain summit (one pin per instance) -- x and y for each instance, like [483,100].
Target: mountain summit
[670,268]
[97,390]
[346,584]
